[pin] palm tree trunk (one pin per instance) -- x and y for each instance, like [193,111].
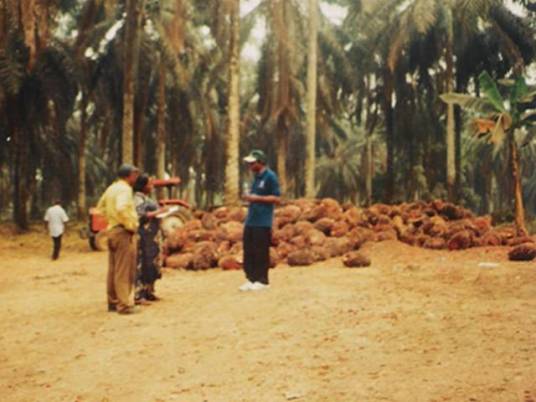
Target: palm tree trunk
[232,168]
[311,101]
[82,207]
[161,125]
[389,130]
[369,170]
[129,76]
[140,105]
[282,147]
[451,134]
[458,127]
[20,181]
[518,191]
[283,90]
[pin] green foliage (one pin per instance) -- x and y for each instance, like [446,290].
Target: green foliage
[381,40]
[491,92]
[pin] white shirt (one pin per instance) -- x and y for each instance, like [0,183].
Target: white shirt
[56,217]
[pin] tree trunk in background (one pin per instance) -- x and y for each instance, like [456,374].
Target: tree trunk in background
[20,181]
[129,76]
[310,162]
[282,147]
[369,169]
[161,125]
[232,168]
[451,135]
[283,91]
[518,191]
[82,207]
[390,134]
[140,110]
[458,127]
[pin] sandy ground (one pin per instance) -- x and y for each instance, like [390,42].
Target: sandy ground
[418,325]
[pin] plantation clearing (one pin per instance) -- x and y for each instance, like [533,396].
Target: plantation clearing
[417,325]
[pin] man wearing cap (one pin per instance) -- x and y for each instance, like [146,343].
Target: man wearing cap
[117,205]
[263,196]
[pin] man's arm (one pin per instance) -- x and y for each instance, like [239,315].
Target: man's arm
[101,205]
[46,219]
[273,198]
[126,212]
[264,199]
[65,218]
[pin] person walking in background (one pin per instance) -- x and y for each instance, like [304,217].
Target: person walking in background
[264,194]
[148,247]
[55,218]
[117,205]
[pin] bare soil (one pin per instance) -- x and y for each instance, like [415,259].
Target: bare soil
[418,325]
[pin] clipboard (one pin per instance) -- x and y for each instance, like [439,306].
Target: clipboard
[170,211]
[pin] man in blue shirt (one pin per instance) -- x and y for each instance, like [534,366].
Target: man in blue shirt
[263,196]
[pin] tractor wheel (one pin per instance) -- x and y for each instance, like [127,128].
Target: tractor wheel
[174,221]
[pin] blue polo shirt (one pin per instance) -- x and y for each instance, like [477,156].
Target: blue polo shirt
[261,214]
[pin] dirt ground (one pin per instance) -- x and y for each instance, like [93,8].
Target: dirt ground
[418,325]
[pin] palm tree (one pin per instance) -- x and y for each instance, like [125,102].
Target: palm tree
[133,10]
[36,93]
[338,171]
[503,116]
[161,121]
[310,160]
[169,20]
[282,115]
[232,171]
[451,23]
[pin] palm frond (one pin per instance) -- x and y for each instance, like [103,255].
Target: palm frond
[424,15]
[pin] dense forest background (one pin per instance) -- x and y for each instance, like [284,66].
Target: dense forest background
[343,95]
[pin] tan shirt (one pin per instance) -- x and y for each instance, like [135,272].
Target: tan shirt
[117,205]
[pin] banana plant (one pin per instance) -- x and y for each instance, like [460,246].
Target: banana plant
[499,115]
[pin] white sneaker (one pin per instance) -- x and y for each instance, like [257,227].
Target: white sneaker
[246,286]
[259,286]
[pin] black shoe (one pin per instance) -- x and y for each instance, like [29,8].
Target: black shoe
[112,307]
[152,297]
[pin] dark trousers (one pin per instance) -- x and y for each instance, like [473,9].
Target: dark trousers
[257,253]
[57,247]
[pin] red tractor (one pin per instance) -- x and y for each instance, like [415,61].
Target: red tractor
[177,214]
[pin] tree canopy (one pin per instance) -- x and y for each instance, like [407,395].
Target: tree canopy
[188,87]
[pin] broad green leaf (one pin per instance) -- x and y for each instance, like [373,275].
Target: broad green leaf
[491,92]
[519,91]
